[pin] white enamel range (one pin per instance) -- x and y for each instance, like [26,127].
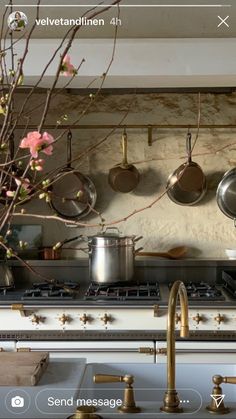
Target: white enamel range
[126,323]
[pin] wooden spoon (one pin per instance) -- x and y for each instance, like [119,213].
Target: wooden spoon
[175,253]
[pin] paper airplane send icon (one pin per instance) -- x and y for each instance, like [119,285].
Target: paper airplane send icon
[218,399]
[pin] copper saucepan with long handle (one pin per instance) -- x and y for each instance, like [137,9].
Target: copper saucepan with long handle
[124,177]
[187,184]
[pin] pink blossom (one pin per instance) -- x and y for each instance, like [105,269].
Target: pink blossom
[37,142]
[10,194]
[37,164]
[25,187]
[24,183]
[67,69]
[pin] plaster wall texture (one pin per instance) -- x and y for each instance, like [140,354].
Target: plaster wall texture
[202,227]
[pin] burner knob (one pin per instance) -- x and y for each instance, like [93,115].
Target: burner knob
[64,319]
[84,319]
[177,318]
[36,319]
[198,318]
[106,319]
[219,319]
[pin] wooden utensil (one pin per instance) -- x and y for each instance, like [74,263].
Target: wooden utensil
[175,253]
[124,177]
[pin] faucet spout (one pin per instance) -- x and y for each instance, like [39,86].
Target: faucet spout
[171,399]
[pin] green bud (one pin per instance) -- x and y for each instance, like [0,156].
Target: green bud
[57,246]
[9,253]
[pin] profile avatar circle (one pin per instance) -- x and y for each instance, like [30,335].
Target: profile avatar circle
[17,21]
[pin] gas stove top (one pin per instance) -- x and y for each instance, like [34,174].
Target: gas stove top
[197,291]
[147,292]
[229,283]
[201,291]
[143,291]
[42,291]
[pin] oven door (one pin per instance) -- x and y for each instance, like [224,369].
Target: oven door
[93,351]
[7,345]
[216,352]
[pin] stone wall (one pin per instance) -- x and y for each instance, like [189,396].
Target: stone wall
[203,227]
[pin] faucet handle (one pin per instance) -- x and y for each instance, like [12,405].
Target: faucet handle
[128,405]
[218,379]
[106,378]
[215,407]
[229,380]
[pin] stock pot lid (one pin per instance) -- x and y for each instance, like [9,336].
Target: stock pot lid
[111,233]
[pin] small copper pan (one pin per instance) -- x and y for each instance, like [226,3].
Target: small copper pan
[189,181]
[124,177]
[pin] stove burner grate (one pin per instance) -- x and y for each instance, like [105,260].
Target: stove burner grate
[201,291]
[229,283]
[4,291]
[142,291]
[46,290]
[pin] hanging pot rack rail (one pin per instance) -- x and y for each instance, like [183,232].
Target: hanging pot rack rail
[139,126]
[148,127]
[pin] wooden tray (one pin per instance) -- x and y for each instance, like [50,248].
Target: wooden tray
[22,368]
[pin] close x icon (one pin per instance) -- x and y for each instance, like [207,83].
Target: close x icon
[223,21]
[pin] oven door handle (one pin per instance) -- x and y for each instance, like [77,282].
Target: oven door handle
[163,351]
[90,350]
[143,350]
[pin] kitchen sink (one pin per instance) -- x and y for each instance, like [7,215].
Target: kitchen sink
[193,383]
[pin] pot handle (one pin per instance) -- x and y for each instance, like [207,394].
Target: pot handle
[112,228]
[60,244]
[138,250]
[189,146]
[85,250]
[69,148]
[137,239]
[81,237]
[124,149]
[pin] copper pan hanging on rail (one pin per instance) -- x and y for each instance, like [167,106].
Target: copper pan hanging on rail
[187,184]
[124,177]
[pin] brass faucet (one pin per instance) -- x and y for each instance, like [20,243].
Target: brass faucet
[129,405]
[171,399]
[216,406]
[85,412]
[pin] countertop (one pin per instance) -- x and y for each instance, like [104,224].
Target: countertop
[62,380]
[147,261]
[152,411]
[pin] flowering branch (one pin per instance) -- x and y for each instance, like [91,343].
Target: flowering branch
[17,188]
